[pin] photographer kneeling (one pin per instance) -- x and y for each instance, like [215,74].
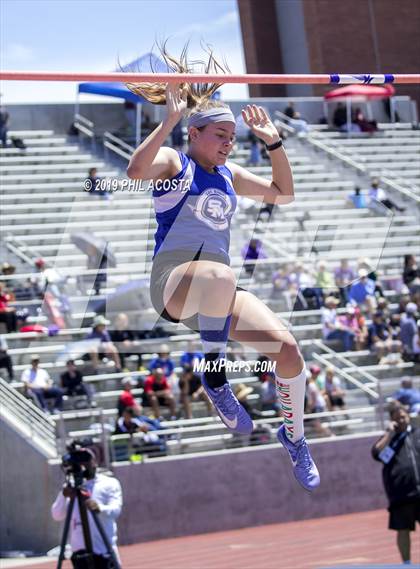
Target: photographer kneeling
[101,495]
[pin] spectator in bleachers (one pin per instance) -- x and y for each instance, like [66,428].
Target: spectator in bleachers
[131,422]
[158,392]
[344,275]
[378,195]
[190,356]
[295,119]
[4,125]
[333,392]
[364,124]
[283,287]
[340,116]
[290,110]
[7,313]
[192,390]
[167,363]
[332,329]
[126,398]
[317,376]
[252,251]
[357,198]
[106,347]
[8,270]
[125,340]
[349,321]
[5,359]
[308,294]
[362,292]
[315,403]
[164,361]
[399,450]
[254,158]
[411,273]
[366,263]
[38,384]
[324,279]
[269,398]
[72,382]
[95,185]
[380,338]
[46,277]
[408,328]
[408,396]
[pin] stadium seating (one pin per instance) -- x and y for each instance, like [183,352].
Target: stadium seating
[44,202]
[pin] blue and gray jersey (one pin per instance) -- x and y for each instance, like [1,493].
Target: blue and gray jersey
[195,213]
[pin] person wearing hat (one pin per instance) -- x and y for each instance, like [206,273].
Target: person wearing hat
[126,398]
[408,328]
[38,384]
[317,376]
[332,329]
[242,391]
[362,291]
[104,498]
[106,347]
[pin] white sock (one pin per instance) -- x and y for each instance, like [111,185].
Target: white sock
[291,393]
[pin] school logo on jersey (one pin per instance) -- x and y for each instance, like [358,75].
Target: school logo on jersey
[213,207]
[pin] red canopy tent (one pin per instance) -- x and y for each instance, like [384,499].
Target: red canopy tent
[359,93]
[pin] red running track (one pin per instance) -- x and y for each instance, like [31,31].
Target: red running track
[354,539]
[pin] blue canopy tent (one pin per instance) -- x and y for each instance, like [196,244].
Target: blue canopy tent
[144,64]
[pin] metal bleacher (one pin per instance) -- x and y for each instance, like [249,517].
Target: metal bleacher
[43,202]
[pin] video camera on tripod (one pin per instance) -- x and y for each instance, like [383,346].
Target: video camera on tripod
[75,460]
[79,465]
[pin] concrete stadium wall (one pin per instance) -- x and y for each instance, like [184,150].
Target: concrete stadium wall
[243,489]
[27,485]
[186,496]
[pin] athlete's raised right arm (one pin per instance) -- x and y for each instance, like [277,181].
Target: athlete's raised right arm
[151,160]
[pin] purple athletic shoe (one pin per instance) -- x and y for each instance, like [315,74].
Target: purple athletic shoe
[304,468]
[229,409]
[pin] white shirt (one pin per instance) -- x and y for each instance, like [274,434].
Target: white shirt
[329,316]
[36,378]
[377,194]
[106,491]
[315,396]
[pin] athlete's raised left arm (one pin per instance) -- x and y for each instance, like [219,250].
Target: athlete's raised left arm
[280,189]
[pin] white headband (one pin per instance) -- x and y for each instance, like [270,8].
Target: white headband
[218,114]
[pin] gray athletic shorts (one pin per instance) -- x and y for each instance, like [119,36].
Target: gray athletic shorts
[163,264]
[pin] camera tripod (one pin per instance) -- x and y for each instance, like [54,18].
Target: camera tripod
[88,558]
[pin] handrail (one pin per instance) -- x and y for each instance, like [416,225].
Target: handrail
[346,376]
[346,361]
[359,167]
[25,417]
[84,120]
[215,424]
[117,145]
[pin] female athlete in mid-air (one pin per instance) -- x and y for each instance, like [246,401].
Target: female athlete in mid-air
[191,280]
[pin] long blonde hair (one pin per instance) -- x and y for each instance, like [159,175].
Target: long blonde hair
[198,94]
